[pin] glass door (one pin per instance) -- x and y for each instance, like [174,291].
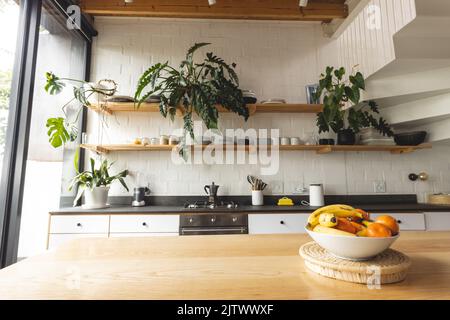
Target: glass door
[9,21]
[48,170]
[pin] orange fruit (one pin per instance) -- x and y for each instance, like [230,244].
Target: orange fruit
[362,233]
[378,230]
[389,222]
[345,225]
[358,227]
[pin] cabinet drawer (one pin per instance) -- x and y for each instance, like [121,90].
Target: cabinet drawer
[144,223]
[56,240]
[407,221]
[79,224]
[277,223]
[438,221]
[143,235]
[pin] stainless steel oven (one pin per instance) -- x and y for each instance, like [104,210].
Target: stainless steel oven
[209,224]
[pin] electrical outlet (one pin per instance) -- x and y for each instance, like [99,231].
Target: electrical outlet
[300,189]
[379,186]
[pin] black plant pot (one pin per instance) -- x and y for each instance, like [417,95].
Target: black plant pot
[346,137]
[326,142]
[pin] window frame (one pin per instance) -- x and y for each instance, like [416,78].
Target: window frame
[20,110]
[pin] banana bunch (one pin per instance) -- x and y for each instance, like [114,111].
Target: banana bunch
[324,216]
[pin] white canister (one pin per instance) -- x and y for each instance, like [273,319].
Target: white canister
[257,198]
[285,141]
[295,141]
[316,197]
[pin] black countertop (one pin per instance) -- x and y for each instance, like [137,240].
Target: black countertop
[160,209]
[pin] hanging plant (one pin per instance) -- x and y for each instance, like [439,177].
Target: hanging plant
[64,129]
[193,88]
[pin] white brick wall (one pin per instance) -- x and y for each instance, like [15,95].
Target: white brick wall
[275,60]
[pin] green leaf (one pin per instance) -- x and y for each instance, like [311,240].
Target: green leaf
[80,191]
[57,132]
[194,48]
[76,159]
[53,85]
[358,81]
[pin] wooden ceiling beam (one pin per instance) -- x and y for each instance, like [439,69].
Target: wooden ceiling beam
[317,10]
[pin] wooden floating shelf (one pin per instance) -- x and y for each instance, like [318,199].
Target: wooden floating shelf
[112,107]
[106,148]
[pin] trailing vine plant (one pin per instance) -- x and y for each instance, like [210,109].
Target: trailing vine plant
[193,88]
[64,129]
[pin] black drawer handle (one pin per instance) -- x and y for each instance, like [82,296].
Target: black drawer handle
[281,222]
[399,221]
[144,224]
[79,225]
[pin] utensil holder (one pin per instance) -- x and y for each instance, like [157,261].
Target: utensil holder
[257,198]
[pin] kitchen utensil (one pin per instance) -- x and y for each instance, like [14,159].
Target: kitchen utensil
[316,197]
[163,140]
[173,140]
[274,101]
[295,141]
[145,141]
[410,138]
[257,198]
[118,98]
[285,141]
[391,266]
[211,191]
[439,199]
[153,99]
[378,142]
[352,248]
[139,196]
[326,142]
[285,201]
[257,184]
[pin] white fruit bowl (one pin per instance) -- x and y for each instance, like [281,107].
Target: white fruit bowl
[352,248]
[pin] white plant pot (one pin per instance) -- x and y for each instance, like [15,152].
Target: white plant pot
[96,198]
[257,198]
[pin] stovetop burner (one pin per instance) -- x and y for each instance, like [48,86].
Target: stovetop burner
[207,205]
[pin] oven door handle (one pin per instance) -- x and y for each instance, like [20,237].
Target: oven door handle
[189,230]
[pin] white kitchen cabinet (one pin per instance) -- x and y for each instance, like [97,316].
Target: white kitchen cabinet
[142,235]
[277,223]
[143,223]
[437,221]
[407,221]
[55,240]
[75,224]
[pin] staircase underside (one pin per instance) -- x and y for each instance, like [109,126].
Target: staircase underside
[413,90]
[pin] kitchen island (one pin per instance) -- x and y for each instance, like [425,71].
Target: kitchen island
[213,267]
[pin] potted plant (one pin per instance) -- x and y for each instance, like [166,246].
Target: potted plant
[343,112]
[94,184]
[193,88]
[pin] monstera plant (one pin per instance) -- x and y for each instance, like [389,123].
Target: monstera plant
[193,88]
[63,129]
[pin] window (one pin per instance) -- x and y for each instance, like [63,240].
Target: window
[63,52]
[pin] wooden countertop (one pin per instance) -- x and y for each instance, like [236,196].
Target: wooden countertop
[213,267]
